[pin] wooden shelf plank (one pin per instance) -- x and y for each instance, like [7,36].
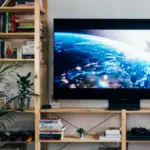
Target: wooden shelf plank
[138,141]
[25,111]
[19,35]
[75,139]
[142,111]
[74,110]
[21,9]
[16,60]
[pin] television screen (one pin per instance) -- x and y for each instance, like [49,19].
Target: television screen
[102,59]
[94,57]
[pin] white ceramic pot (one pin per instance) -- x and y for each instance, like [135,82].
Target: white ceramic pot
[81,136]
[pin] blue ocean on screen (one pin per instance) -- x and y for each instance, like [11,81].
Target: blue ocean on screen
[102,59]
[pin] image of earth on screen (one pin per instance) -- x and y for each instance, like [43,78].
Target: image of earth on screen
[102,59]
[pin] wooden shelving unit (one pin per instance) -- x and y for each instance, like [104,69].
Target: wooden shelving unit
[91,139]
[38,64]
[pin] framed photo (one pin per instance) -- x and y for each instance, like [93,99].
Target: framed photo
[7,49]
[3,101]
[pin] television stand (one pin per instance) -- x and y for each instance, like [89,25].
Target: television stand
[124,103]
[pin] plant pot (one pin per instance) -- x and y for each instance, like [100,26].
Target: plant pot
[81,136]
[24,103]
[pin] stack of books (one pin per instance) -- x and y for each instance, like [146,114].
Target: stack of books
[24,23]
[111,134]
[51,129]
[18,23]
[28,49]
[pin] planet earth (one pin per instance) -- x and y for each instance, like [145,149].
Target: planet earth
[89,61]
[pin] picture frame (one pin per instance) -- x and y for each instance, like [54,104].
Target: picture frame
[3,101]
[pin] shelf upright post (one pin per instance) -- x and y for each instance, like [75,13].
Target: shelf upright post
[37,73]
[123,129]
[45,99]
[44,49]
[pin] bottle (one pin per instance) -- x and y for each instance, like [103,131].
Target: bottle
[14,54]
[5,136]
[30,138]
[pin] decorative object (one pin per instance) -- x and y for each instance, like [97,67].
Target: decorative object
[81,132]
[46,106]
[26,91]
[7,49]
[2,101]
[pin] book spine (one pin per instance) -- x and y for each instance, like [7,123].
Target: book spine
[51,133]
[2,49]
[28,56]
[24,2]
[50,138]
[7,22]
[112,131]
[3,22]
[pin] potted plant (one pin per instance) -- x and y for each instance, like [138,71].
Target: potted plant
[25,91]
[81,133]
[5,72]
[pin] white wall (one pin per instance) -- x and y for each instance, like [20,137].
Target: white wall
[98,9]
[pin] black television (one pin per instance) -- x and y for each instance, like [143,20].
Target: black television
[102,59]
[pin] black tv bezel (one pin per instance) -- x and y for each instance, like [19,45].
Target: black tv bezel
[98,94]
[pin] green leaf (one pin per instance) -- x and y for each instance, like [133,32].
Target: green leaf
[7,67]
[28,75]
[1,65]
[18,75]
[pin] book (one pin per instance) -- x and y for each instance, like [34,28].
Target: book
[1,22]
[112,131]
[19,54]
[109,138]
[44,138]
[113,136]
[24,0]
[7,15]
[45,132]
[1,49]
[23,5]
[24,24]
[28,56]
[50,135]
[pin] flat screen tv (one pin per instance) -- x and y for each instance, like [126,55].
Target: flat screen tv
[102,59]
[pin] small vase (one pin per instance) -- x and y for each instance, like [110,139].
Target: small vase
[24,103]
[81,136]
